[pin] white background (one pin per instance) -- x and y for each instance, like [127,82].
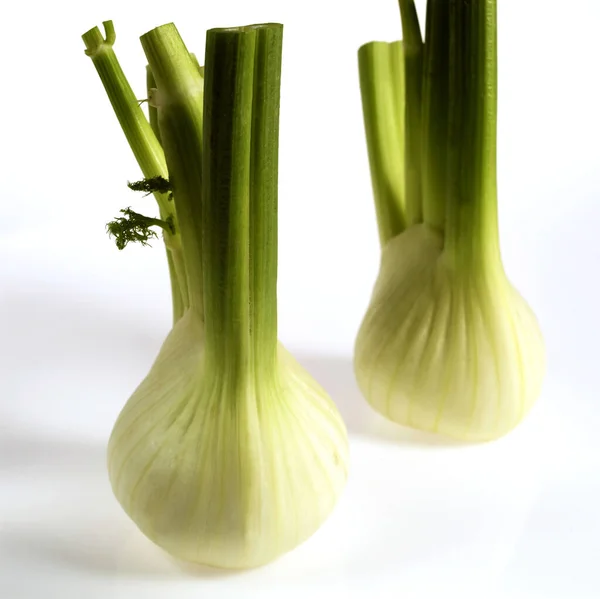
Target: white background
[80,322]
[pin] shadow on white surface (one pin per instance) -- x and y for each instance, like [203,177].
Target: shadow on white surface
[22,450]
[69,360]
[72,521]
[336,375]
[103,553]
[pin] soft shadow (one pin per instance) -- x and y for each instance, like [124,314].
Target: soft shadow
[201,571]
[69,358]
[54,327]
[102,549]
[25,449]
[336,375]
[74,521]
[95,549]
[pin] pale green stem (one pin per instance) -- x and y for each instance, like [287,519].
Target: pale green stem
[179,103]
[413,70]
[141,139]
[381,70]
[176,296]
[178,278]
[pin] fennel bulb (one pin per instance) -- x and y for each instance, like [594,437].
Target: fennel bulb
[228,453]
[447,344]
[229,471]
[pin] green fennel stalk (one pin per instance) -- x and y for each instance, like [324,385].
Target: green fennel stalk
[447,344]
[228,453]
[144,145]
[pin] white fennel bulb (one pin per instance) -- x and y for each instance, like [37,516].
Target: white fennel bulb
[228,453]
[444,350]
[447,344]
[222,473]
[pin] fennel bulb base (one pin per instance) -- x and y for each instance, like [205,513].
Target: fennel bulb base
[444,349]
[220,475]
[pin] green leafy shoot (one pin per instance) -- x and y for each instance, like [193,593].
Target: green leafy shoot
[154,184]
[135,227]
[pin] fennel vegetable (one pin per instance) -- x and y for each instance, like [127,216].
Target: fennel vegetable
[228,453]
[447,344]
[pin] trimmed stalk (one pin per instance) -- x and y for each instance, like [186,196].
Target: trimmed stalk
[413,68]
[143,143]
[263,195]
[471,214]
[179,103]
[381,70]
[436,98]
[178,304]
[241,108]
[145,146]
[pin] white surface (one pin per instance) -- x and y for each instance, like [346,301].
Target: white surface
[81,322]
